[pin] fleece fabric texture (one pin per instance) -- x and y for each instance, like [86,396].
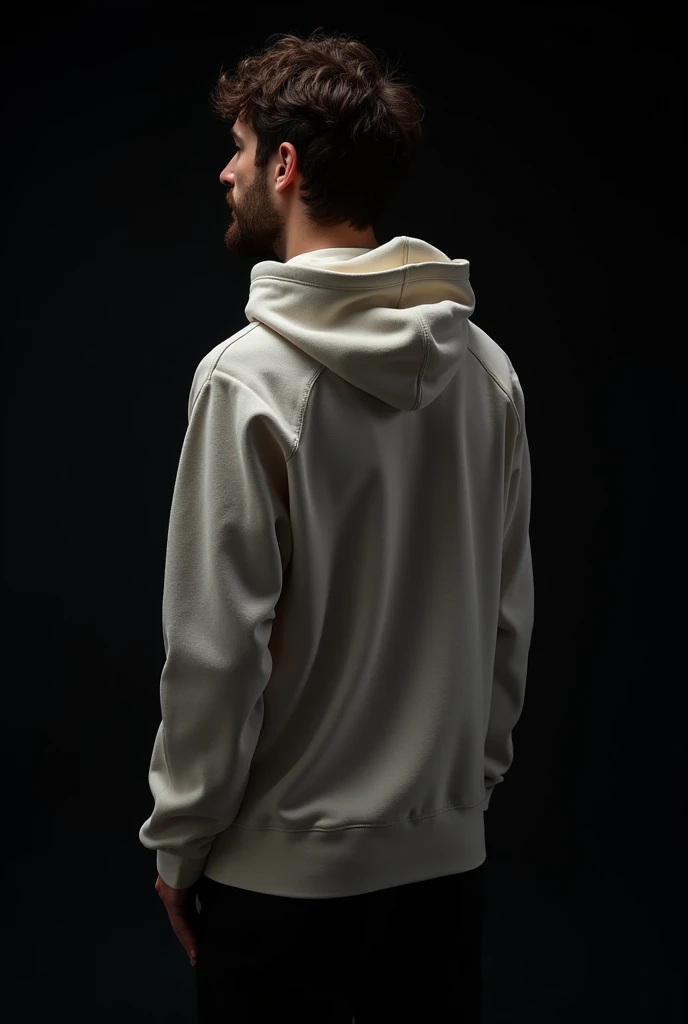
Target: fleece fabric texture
[348,595]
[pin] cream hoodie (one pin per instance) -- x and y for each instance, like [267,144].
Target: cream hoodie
[348,596]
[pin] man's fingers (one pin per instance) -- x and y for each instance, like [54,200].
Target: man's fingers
[184,933]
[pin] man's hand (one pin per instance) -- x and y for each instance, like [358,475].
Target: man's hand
[181,908]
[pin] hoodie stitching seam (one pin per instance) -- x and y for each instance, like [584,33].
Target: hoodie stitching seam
[406,251]
[405,277]
[498,383]
[339,285]
[346,286]
[302,411]
[231,341]
[426,351]
[235,380]
[239,334]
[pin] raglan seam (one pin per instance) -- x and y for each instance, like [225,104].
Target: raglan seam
[498,383]
[302,411]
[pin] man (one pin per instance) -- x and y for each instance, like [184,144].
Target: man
[348,598]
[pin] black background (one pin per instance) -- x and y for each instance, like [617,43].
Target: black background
[552,162]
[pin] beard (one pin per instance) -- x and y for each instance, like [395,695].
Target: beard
[257,229]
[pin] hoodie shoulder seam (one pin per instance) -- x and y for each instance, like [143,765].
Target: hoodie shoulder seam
[498,383]
[211,368]
[230,341]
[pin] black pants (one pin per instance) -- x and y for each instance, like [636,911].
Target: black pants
[408,953]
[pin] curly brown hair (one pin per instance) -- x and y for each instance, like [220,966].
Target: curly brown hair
[355,125]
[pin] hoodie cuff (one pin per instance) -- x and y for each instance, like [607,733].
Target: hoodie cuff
[179,872]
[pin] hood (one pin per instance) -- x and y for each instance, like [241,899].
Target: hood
[391,320]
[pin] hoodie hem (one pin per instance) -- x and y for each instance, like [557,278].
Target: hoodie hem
[322,863]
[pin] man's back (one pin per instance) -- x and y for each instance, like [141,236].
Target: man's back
[379,564]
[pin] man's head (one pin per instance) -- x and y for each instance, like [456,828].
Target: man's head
[324,139]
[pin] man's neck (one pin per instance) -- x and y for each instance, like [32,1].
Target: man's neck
[336,238]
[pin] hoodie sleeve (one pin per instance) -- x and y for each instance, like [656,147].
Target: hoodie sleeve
[227,544]
[516,612]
